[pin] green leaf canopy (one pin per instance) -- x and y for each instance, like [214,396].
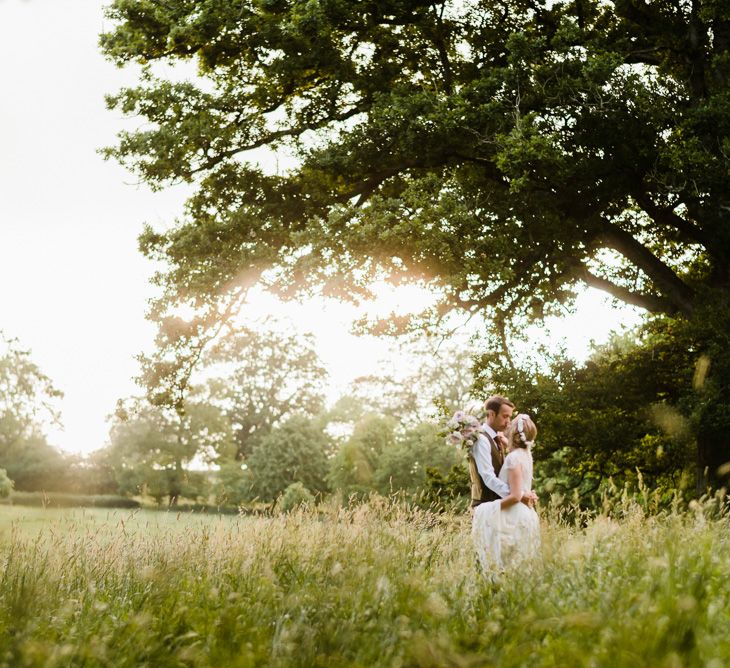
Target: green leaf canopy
[503,151]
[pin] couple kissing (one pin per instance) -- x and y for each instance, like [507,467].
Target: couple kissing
[505,526]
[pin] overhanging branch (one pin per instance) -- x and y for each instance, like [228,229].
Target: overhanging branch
[675,290]
[667,216]
[651,303]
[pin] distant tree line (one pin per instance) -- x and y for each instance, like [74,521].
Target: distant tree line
[259,421]
[256,428]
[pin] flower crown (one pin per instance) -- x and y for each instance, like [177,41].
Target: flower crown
[521,431]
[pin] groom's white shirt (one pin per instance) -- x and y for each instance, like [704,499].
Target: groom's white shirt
[482,452]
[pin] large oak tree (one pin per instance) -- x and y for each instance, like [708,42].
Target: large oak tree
[503,151]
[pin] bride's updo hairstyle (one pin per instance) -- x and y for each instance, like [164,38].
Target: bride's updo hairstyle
[522,432]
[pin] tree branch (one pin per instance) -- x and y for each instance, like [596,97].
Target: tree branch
[274,136]
[676,290]
[667,216]
[651,303]
[645,56]
[443,53]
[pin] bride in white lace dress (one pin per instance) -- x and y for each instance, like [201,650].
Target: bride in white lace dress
[506,531]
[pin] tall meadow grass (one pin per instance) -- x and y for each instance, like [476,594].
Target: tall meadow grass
[381,584]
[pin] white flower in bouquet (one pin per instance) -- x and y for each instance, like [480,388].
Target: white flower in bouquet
[464,429]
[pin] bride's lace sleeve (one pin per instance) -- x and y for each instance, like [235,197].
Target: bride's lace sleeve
[523,459]
[512,460]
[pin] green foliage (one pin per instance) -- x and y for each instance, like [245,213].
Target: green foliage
[232,483]
[502,154]
[440,375]
[258,381]
[261,379]
[393,439]
[256,419]
[404,465]
[65,500]
[91,474]
[295,496]
[33,464]
[6,484]
[707,405]
[447,491]
[27,395]
[376,585]
[27,406]
[151,448]
[295,451]
[353,466]
[634,410]
[379,457]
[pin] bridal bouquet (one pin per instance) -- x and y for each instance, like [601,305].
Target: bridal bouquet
[463,430]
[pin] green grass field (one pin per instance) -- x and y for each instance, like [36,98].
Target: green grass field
[377,585]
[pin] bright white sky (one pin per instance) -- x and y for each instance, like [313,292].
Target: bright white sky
[73,287]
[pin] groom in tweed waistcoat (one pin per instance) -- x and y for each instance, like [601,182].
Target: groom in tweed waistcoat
[488,455]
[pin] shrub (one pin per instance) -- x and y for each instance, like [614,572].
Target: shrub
[294,496]
[6,484]
[202,508]
[293,452]
[58,500]
[448,491]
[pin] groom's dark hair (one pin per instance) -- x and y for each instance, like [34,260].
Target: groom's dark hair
[495,402]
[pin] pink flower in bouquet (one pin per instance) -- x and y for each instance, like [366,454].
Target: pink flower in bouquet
[473,421]
[464,429]
[455,438]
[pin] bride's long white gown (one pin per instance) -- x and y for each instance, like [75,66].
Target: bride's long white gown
[504,538]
